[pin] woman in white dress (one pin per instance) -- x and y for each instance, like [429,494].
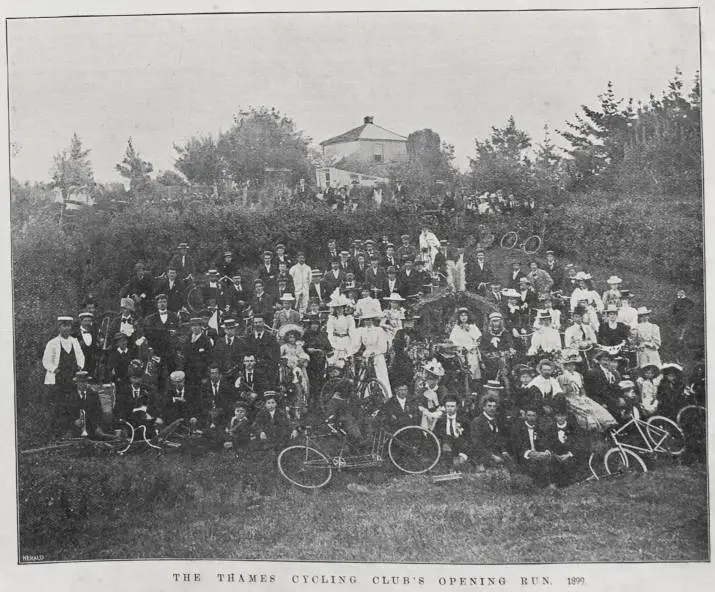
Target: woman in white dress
[646,337]
[589,415]
[375,341]
[467,335]
[341,331]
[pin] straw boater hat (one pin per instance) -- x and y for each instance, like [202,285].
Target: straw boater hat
[510,293]
[289,328]
[127,303]
[614,279]
[177,376]
[611,308]
[495,315]
[643,310]
[287,296]
[394,297]
[85,315]
[80,376]
[229,324]
[434,368]
[65,319]
[493,385]
[581,276]
[626,384]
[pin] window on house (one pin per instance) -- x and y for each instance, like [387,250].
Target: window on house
[379,153]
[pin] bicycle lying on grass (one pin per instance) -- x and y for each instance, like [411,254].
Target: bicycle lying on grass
[530,245]
[658,435]
[310,465]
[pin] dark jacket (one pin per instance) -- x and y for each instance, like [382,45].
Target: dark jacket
[396,417]
[175,295]
[488,438]
[460,443]
[196,358]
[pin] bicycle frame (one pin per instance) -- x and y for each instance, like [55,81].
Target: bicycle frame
[648,441]
[347,456]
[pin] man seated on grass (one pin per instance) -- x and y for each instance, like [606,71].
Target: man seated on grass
[566,442]
[489,442]
[400,411]
[531,447]
[240,431]
[85,410]
[272,427]
[135,404]
[452,430]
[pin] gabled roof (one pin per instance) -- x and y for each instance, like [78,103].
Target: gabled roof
[367,131]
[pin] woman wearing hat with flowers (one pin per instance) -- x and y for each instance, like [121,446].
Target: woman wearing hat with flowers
[297,361]
[611,332]
[583,292]
[590,415]
[545,340]
[374,341]
[430,400]
[287,315]
[544,390]
[467,335]
[646,338]
[341,330]
[612,296]
[393,315]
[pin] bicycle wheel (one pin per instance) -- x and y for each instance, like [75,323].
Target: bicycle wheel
[195,299]
[621,460]
[414,450]
[532,244]
[373,388]
[305,467]
[691,417]
[509,240]
[665,435]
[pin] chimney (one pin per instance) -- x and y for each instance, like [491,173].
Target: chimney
[369,119]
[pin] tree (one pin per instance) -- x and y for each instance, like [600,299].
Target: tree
[134,168]
[72,170]
[199,161]
[598,137]
[263,138]
[170,178]
[502,161]
[549,171]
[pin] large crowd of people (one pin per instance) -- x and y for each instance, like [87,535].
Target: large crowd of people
[543,364]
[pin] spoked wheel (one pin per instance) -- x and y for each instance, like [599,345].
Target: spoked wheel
[305,467]
[621,460]
[691,418]
[414,450]
[509,240]
[666,435]
[532,245]
[373,388]
[195,299]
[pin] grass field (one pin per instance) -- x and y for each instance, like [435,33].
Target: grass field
[216,505]
[220,506]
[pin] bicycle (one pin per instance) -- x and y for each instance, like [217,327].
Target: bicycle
[657,435]
[531,245]
[368,387]
[310,465]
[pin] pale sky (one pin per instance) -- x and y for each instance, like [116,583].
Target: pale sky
[163,79]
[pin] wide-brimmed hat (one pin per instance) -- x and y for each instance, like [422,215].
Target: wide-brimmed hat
[611,308]
[394,297]
[434,367]
[643,310]
[494,385]
[570,356]
[510,293]
[647,364]
[127,303]
[287,296]
[177,375]
[338,301]
[614,279]
[289,328]
[544,363]
[671,366]
[85,315]
[626,384]
[582,276]
[371,311]
[495,315]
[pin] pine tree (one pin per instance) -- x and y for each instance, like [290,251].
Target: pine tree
[72,170]
[134,168]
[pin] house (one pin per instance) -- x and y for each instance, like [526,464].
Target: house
[367,144]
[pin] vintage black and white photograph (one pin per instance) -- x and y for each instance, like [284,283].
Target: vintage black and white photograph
[366,287]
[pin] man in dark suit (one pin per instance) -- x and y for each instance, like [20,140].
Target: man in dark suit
[180,401]
[135,403]
[478,274]
[183,262]
[196,353]
[268,271]
[140,289]
[375,275]
[392,284]
[262,303]
[89,343]
[399,411]
[554,270]
[531,447]
[390,259]
[452,430]
[271,426]
[226,265]
[227,352]
[217,398]
[495,296]
[601,383]
[250,384]
[83,411]
[264,346]
[235,298]
[281,256]
[316,289]
[515,275]
[159,329]
[332,252]
[345,265]
[439,264]
[360,268]
[410,279]
[406,249]
[566,442]
[173,288]
[119,359]
[126,322]
[333,278]
[489,442]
